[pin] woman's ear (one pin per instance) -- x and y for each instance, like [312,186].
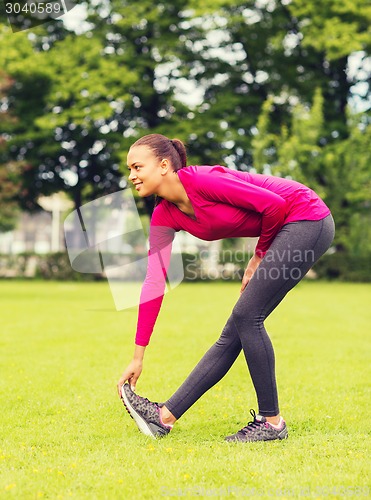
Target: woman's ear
[165,165]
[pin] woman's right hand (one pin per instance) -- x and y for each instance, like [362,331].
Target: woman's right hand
[250,270]
[131,374]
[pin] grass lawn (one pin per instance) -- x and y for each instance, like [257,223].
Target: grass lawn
[65,434]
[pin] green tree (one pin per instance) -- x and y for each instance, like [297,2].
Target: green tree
[345,167]
[264,142]
[10,182]
[334,27]
[10,174]
[147,38]
[103,88]
[298,151]
[338,171]
[65,100]
[86,97]
[271,48]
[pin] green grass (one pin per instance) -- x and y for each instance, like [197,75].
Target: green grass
[64,432]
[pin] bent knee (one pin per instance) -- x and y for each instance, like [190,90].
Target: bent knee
[246,316]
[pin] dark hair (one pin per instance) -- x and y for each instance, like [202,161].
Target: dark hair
[163,147]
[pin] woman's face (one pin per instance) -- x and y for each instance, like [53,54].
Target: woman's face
[145,170]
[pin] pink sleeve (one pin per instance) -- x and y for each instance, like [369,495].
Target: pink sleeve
[160,243]
[226,188]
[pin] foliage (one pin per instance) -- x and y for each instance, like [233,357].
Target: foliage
[336,28]
[273,82]
[345,167]
[10,173]
[10,182]
[269,49]
[343,266]
[338,171]
[60,99]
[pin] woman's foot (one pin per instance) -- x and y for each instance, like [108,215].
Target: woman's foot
[260,430]
[166,416]
[274,420]
[146,414]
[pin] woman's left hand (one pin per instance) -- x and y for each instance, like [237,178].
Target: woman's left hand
[250,270]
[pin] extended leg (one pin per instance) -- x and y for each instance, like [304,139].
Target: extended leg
[210,369]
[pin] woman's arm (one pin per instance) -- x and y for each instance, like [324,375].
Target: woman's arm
[153,289]
[160,240]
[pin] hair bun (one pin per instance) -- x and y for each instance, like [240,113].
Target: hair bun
[163,147]
[181,150]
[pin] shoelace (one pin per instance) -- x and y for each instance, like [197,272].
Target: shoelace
[251,426]
[146,400]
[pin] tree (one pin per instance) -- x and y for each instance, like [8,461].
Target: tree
[76,129]
[10,182]
[272,48]
[10,174]
[66,99]
[124,74]
[338,171]
[335,29]
[149,38]
[345,167]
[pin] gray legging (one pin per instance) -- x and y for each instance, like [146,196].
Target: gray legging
[295,249]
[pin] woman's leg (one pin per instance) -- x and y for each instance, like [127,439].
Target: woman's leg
[293,252]
[212,367]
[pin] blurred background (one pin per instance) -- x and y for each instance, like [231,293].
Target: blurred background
[268,86]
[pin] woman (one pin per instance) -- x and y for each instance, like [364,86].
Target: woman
[295,228]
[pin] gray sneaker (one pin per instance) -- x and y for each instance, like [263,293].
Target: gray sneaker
[145,413]
[259,430]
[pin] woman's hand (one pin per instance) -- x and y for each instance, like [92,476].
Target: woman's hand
[133,371]
[250,270]
[131,374]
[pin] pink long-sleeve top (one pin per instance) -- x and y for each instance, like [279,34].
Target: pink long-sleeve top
[227,204]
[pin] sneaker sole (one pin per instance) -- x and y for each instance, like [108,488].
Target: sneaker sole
[141,423]
[283,434]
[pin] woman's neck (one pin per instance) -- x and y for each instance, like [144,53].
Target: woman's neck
[173,191]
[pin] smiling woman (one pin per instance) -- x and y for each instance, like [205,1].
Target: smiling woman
[215,202]
[153,160]
[162,147]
